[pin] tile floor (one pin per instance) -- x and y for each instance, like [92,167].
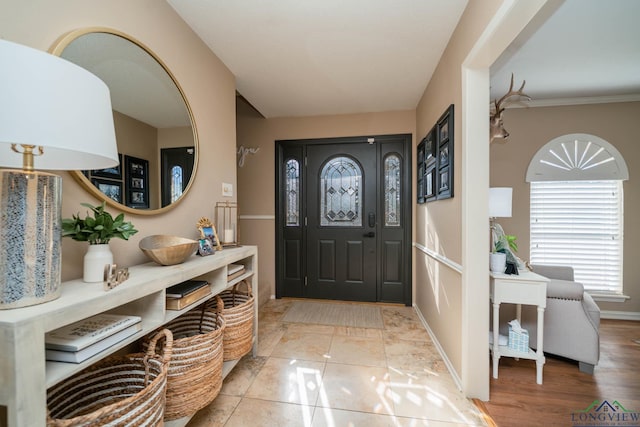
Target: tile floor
[318,375]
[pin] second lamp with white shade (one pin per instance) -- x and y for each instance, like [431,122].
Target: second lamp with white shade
[499,207]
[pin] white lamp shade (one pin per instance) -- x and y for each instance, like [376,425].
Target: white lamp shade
[50,102]
[500,202]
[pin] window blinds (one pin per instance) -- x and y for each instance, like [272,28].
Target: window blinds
[579,223]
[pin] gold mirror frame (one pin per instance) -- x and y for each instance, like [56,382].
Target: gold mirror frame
[57,50]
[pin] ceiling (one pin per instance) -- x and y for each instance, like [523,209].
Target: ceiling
[316,57]
[585,49]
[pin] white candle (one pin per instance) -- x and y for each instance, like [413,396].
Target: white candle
[228,235]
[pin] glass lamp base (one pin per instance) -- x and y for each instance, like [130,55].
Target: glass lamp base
[30,233]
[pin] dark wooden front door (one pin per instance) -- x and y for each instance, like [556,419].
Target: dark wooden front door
[177,167]
[344,220]
[341,222]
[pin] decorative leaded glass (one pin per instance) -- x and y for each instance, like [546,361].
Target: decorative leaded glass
[340,195]
[392,191]
[176,183]
[292,192]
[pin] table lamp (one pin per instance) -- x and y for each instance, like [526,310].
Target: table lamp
[53,115]
[499,207]
[500,202]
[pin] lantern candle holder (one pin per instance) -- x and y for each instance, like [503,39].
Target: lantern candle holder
[227,223]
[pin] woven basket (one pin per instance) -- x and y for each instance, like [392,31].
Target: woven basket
[194,378]
[119,390]
[238,314]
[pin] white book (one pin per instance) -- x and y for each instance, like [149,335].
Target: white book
[87,352]
[81,334]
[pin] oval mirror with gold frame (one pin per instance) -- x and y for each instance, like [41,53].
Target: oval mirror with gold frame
[155,131]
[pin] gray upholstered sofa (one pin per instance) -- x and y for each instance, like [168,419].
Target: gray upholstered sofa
[571,319]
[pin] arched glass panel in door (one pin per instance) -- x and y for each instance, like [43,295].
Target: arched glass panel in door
[392,191]
[176,183]
[292,199]
[341,193]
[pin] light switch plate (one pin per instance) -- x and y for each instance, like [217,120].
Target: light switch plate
[227,189]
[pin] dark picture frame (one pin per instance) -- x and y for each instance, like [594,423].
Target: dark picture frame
[430,147]
[136,182]
[445,126]
[114,172]
[111,188]
[435,160]
[430,190]
[421,170]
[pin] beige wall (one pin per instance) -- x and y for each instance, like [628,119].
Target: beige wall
[138,139]
[208,86]
[531,128]
[256,180]
[439,290]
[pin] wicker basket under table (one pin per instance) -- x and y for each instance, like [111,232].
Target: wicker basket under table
[194,376]
[117,391]
[239,315]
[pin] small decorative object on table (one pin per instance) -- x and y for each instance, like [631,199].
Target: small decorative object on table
[208,232]
[518,337]
[168,250]
[114,277]
[98,231]
[227,222]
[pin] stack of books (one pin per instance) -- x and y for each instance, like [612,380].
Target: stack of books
[186,293]
[234,270]
[79,341]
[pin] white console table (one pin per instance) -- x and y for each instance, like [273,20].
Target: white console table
[524,288]
[24,373]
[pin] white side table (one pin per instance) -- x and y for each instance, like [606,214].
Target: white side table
[524,288]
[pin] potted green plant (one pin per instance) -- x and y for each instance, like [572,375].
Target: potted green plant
[97,229]
[506,241]
[502,245]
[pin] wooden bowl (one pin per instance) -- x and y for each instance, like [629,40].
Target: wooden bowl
[168,250]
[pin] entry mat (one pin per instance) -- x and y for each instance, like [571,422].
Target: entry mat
[335,314]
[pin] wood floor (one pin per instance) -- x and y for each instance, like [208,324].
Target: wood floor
[516,399]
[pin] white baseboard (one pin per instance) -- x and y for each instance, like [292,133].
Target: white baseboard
[447,362]
[620,315]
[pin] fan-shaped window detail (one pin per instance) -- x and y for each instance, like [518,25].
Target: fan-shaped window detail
[577,157]
[392,191]
[340,193]
[576,209]
[292,199]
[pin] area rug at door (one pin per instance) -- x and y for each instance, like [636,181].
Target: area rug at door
[335,314]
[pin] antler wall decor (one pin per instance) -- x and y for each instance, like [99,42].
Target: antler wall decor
[496,127]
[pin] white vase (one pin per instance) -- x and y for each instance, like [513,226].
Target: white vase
[498,262]
[95,260]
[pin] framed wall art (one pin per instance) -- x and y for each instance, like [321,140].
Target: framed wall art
[444,154]
[136,182]
[430,160]
[111,188]
[110,173]
[435,160]
[421,170]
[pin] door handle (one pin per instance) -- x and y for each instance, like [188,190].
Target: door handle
[369,234]
[372,220]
